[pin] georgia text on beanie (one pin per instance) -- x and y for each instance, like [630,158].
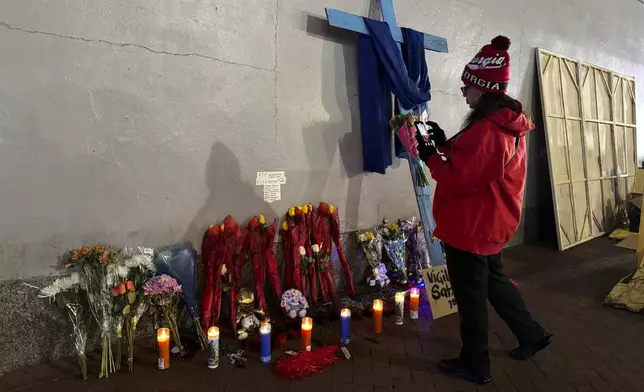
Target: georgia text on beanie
[489,70]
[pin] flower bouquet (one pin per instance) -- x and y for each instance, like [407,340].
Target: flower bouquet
[307,264]
[423,248]
[162,291]
[403,126]
[122,294]
[71,300]
[100,270]
[393,241]
[179,261]
[416,262]
[141,269]
[268,242]
[330,226]
[371,246]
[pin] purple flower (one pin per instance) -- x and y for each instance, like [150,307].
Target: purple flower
[162,284]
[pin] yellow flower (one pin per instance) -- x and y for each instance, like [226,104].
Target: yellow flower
[331,209]
[311,207]
[291,211]
[305,209]
[370,235]
[262,220]
[221,227]
[285,226]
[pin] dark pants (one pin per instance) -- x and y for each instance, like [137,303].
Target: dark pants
[476,279]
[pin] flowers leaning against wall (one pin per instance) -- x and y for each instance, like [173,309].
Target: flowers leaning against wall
[71,300]
[371,246]
[100,270]
[393,241]
[163,293]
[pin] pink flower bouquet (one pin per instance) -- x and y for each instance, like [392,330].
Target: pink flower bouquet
[163,292]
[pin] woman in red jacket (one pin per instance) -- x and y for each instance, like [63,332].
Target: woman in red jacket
[480,175]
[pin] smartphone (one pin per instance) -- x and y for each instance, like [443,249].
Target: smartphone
[422,128]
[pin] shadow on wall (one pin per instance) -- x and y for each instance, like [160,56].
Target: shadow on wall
[538,223]
[229,195]
[342,131]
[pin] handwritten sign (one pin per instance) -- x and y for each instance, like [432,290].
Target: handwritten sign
[269,178]
[439,291]
[272,183]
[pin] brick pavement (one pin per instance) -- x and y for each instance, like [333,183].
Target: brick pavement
[596,348]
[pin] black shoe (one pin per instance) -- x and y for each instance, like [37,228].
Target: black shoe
[526,352]
[456,368]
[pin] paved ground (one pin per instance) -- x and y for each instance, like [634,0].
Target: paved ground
[596,348]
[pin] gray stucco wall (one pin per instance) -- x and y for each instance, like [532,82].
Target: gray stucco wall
[142,122]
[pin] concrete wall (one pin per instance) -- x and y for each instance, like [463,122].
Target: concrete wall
[132,121]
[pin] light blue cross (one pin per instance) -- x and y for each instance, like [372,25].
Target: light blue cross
[356,23]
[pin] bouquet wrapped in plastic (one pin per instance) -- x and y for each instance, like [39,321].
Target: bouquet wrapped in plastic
[403,126]
[416,261]
[220,254]
[162,291]
[258,245]
[371,246]
[100,270]
[393,241]
[330,224]
[141,269]
[71,300]
[178,261]
[423,248]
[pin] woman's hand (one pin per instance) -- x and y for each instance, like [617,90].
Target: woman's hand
[425,150]
[436,133]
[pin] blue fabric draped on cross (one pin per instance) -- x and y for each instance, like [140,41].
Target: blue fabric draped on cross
[382,68]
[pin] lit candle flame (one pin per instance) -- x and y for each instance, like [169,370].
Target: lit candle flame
[265,328]
[213,333]
[163,334]
[377,304]
[344,313]
[414,292]
[307,324]
[400,297]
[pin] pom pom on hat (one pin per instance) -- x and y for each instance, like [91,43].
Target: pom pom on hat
[501,43]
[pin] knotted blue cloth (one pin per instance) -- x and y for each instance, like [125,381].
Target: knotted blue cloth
[382,68]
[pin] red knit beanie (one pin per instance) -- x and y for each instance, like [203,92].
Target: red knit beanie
[490,68]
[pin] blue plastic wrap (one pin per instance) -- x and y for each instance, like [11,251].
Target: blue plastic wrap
[179,261]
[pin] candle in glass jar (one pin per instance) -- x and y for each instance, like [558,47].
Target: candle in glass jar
[163,341]
[213,348]
[377,316]
[307,326]
[400,308]
[345,326]
[414,295]
[265,343]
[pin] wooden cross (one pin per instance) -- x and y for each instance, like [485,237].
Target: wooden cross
[356,23]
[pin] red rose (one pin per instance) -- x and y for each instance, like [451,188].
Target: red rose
[114,291]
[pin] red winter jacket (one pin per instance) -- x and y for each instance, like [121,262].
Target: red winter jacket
[479,193]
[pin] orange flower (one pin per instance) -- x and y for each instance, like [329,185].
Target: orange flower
[285,226]
[122,289]
[130,285]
